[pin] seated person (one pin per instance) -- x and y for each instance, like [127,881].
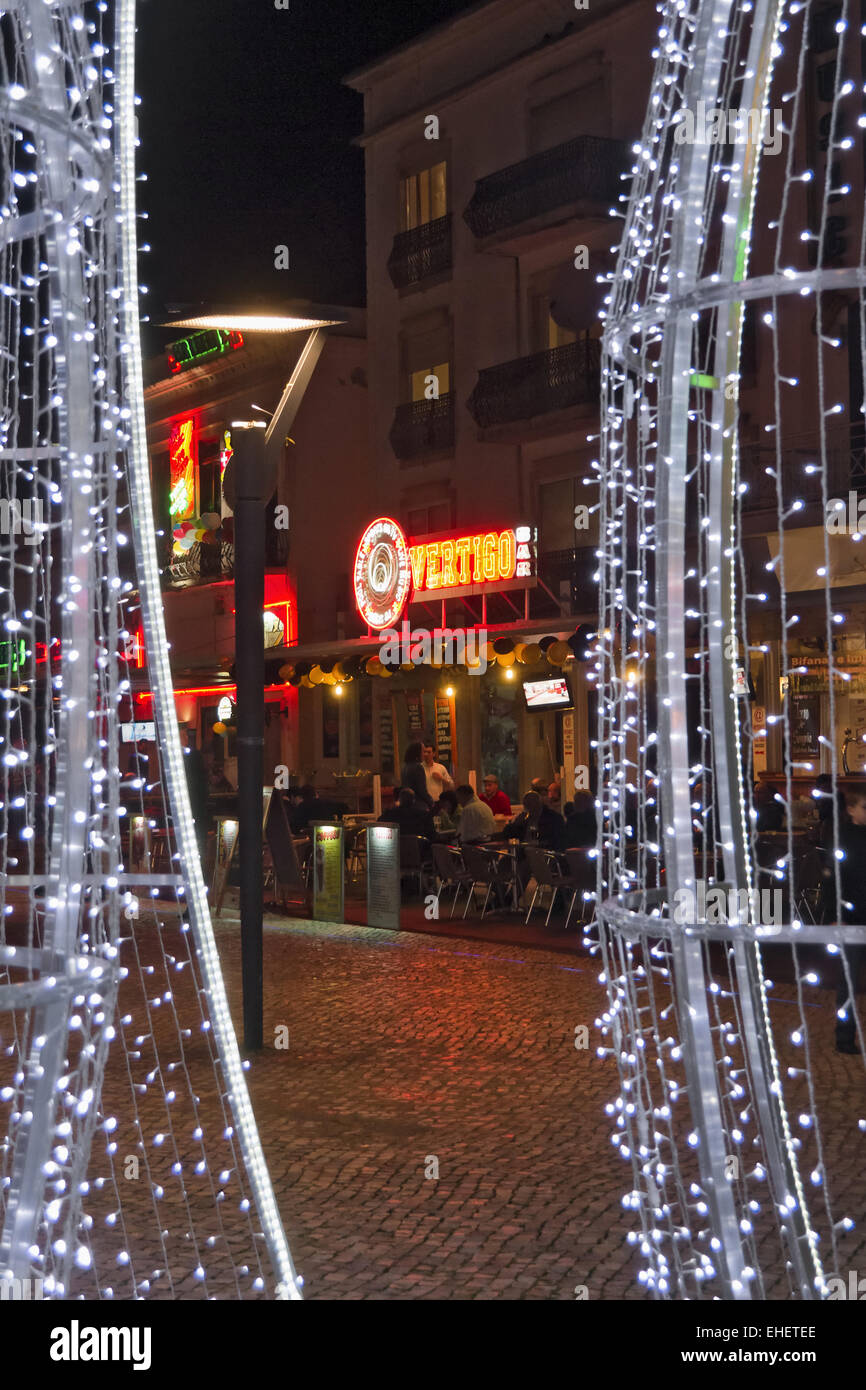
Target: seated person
[476,818]
[448,810]
[493,797]
[537,824]
[769,807]
[412,817]
[580,823]
[823,795]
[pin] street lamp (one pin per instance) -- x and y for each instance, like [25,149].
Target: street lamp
[248,484]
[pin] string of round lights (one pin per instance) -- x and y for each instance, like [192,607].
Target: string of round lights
[723,439]
[130,1163]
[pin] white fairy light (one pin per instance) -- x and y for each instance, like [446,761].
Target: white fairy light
[702,610]
[89,357]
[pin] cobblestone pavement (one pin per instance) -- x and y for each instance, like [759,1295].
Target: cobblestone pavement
[431,1129]
[410,1056]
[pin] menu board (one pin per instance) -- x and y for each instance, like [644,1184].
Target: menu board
[444,712]
[805,727]
[415,711]
[328,872]
[383,876]
[386,738]
[226,840]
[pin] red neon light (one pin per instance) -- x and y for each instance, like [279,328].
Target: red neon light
[42,651]
[194,690]
[183,457]
[382,573]
[450,564]
[204,690]
[287,628]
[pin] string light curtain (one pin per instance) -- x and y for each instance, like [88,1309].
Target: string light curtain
[731,420]
[130,1163]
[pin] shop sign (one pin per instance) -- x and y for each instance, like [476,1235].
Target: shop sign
[182,462]
[811,675]
[460,563]
[388,566]
[382,573]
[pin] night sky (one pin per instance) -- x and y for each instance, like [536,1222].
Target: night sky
[246,137]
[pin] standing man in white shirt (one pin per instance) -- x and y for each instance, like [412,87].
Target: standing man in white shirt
[438,780]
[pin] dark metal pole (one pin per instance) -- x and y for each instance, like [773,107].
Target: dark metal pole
[252,488]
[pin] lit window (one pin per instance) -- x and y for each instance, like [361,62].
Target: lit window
[423,197]
[431,382]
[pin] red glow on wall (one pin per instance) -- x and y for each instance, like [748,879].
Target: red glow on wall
[182,456]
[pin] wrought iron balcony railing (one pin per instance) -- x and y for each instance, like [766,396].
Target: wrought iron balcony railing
[535,385]
[420,253]
[800,475]
[423,427]
[583,170]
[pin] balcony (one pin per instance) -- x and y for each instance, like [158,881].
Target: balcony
[579,178]
[207,564]
[201,564]
[423,427]
[554,380]
[846,469]
[421,253]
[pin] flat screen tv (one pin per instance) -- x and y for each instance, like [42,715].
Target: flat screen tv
[552,693]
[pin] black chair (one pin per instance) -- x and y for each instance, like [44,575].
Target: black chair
[544,867]
[483,867]
[451,873]
[358,855]
[414,862]
[580,878]
[809,879]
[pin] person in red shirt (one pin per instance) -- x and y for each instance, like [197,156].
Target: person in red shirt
[493,797]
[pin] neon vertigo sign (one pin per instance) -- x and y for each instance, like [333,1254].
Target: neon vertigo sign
[387,566]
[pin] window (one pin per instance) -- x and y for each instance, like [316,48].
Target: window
[563,118]
[547,333]
[423,197]
[557,501]
[210,486]
[425,389]
[556,335]
[425,351]
[426,521]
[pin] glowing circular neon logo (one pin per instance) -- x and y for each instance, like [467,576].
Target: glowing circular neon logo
[383,573]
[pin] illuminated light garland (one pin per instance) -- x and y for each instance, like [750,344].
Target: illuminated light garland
[106,1026]
[676,746]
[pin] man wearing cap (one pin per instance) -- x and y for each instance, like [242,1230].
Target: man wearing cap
[494,797]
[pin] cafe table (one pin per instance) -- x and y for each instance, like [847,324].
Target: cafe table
[511,850]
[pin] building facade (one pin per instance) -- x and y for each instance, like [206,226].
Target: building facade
[194,392]
[495,147]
